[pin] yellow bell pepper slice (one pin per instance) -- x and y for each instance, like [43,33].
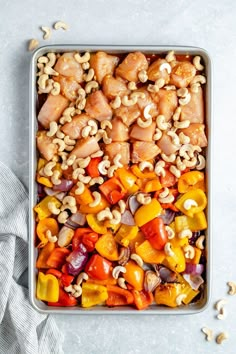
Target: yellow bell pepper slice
[125,234]
[47,287]
[41,163]
[106,246]
[112,227]
[126,177]
[93,294]
[190,294]
[42,207]
[95,225]
[197,223]
[166,294]
[43,226]
[176,262]
[136,241]
[176,241]
[197,196]
[152,186]
[149,254]
[190,181]
[134,275]
[45,181]
[147,212]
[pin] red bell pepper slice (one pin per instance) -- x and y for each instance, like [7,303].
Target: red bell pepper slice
[66,280]
[77,238]
[86,236]
[64,299]
[58,257]
[92,168]
[142,299]
[155,233]
[113,190]
[98,267]
[118,296]
[89,240]
[54,272]
[169,180]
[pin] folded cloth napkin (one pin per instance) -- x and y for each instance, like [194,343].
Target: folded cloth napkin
[22,328]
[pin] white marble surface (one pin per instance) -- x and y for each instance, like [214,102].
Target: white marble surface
[209,24]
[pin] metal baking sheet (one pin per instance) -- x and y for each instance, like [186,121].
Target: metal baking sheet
[153,309]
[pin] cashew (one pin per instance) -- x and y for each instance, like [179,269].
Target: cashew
[181,125]
[84,162]
[85,65]
[208,332]
[53,209]
[197,64]
[135,257]
[179,164]
[47,32]
[56,89]
[69,289]
[222,314]
[82,59]
[199,242]
[63,120]
[138,95]
[177,113]
[166,200]
[52,59]
[122,206]
[55,178]
[53,129]
[86,131]
[117,270]
[132,86]
[48,168]
[96,180]
[89,76]
[165,193]
[168,250]
[142,75]
[80,189]
[159,168]
[103,166]
[189,252]
[184,139]
[40,67]
[198,79]
[146,111]
[145,124]
[78,171]
[60,143]
[116,217]
[60,25]
[186,151]
[69,141]
[194,88]
[160,83]
[78,291]
[165,66]
[174,170]
[161,123]
[157,135]
[220,304]
[111,170]
[62,217]
[43,60]
[71,160]
[170,87]
[153,88]
[91,85]
[185,233]
[50,71]
[106,123]
[71,201]
[221,337]
[84,179]
[99,153]
[202,163]
[104,214]
[232,288]
[80,103]
[182,92]
[42,81]
[170,56]
[146,164]
[116,103]
[51,238]
[189,203]
[116,161]
[174,136]
[185,100]
[33,44]
[179,299]
[129,102]
[143,198]
[82,276]
[170,232]
[97,199]
[121,283]
[73,208]
[48,87]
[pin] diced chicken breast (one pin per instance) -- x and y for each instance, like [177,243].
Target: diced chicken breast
[154,72]
[196,133]
[97,106]
[103,64]
[66,65]
[52,109]
[85,147]
[118,148]
[45,145]
[167,102]
[143,151]
[194,110]
[74,128]
[182,74]
[166,145]
[143,134]
[119,131]
[131,65]
[147,101]
[69,87]
[128,114]
[112,87]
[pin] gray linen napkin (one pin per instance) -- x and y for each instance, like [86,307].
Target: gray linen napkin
[22,328]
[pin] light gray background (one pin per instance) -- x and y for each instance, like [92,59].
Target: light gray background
[208,24]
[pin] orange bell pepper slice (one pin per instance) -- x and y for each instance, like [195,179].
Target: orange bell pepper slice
[43,226]
[152,186]
[126,177]
[149,254]
[57,257]
[82,199]
[138,173]
[106,246]
[134,275]
[191,180]
[169,180]
[113,190]
[142,299]
[44,255]
[118,296]
[86,209]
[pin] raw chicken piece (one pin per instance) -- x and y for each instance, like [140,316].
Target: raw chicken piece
[119,131]
[182,74]
[154,72]
[112,87]
[103,64]
[128,114]
[52,109]
[196,133]
[69,87]
[85,147]
[166,145]
[131,65]
[143,102]
[194,110]
[97,106]
[167,102]
[45,145]
[118,148]
[74,128]
[143,151]
[66,65]
[144,134]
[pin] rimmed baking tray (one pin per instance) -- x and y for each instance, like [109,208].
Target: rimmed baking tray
[153,309]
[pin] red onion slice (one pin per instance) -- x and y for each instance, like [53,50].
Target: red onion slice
[194,280]
[133,204]
[194,269]
[64,186]
[76,220]
[127,218]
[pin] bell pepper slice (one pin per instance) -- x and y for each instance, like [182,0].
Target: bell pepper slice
[47,287]
[45,181]
[66,279]
[165,294]
[142,299]
[134,275]
[86,209]
[190,294]
[126,177]
[96,226]
[113,190]
[106,246]
[138,173]
[152,186]
[155,232]
[110,280]
[42,207]
[136,241]
[57,257]
[98,267]
[86,236]
[43,226]
[77,238]
[111,227]
[82,199]
[198,196]
[89,240]
[118,296]
[44,255]
[54,272]
[147,212]
[41,163]
[197,256]
[196,223]
[177,262]
[169,180]
[125,234]
[149,254]
[190,181]
[93,294]
[65,300]
[92,168]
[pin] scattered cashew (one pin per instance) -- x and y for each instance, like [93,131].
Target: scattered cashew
[55,178]
[86,131]
[47,32]
[221,337]
[33,44]
[132,86]
[69,141]
[161,122]
[89,76]
[52,129]
[142,75]
[146,164]
[199,242]
[174,136]
[202,163]
[168,250]
[103,166]
[182,92]
[182,125]
[50,71]
[121,283]
[174,170]
[106,124]
[232,288]
[42,80]
[52,59]
[116,103]
[111,170]
[184,139]
[62,217]
[194,88]
[80,189]
[104,214]
[71,201]
[143,199]
[53,209]
[82,276]
[197,64]
[208,332]
[97,199]
[122,206]
[99,153]
[84,179]
[198,79]
[96,180]
[48,168]
[145,124]
[170,56]
[116,217]
[116,161]
[189,252]
[189,203]
[185,100]
[117,270]
[129,102]
[170,232]
[91,85]
[60,25]
[165,66]
[179,299]
[51,238]
[185,233]
[60,143]
[166,200]
[165,193]
[135,257]
[82,59]
[157,135]
[177,113]
[146,111]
